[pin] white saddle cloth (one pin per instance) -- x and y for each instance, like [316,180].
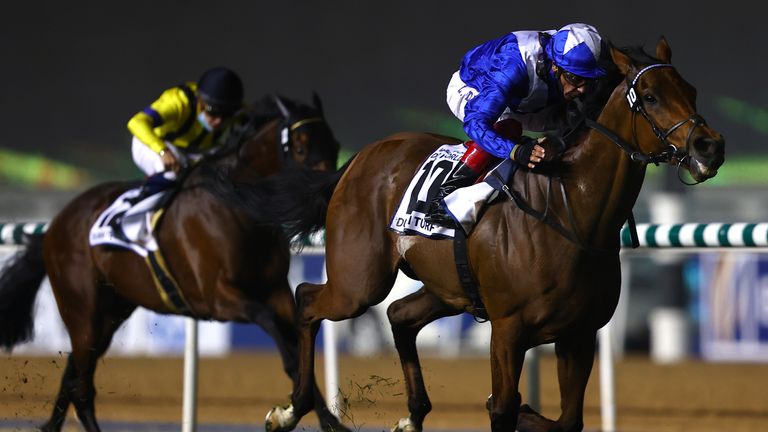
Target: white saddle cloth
[136,223]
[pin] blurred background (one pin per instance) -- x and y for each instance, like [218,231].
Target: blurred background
[73,73]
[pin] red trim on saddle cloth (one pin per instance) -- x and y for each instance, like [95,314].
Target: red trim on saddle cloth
[478,159]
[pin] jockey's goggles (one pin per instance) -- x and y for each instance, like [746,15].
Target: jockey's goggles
[576,80]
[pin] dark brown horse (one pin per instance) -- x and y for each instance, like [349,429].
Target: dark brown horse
[537,285]
[227,267]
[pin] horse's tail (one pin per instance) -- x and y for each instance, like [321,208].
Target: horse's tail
[19,283]
[296,198]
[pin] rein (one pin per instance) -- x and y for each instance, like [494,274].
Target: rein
[635,155]
[571,235]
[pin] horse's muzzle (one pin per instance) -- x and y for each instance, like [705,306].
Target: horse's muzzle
[705,156]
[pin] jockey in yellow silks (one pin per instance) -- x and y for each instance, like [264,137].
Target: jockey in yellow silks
[183,122]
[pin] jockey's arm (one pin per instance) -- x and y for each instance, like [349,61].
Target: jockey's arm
[166,110]
[140,125]
[479,116]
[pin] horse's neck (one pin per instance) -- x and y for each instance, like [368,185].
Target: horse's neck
[605,182]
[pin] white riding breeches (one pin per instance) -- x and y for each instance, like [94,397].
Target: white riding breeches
[145,158]
[151,163]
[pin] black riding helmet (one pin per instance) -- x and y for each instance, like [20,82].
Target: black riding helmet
[221,91]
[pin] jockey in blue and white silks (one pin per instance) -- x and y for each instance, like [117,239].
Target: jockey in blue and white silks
[516,82]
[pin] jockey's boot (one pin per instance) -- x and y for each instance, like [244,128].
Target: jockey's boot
[474,161]
[152,184]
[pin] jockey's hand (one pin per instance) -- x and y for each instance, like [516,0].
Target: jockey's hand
[528,152]
[169,161]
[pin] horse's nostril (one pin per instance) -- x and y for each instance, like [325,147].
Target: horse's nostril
[709,146]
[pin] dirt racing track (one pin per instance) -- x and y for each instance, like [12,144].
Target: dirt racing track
[235,393]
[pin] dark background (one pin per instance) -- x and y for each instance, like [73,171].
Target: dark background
[73,73]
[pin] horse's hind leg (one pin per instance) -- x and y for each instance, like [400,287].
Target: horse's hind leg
[407,317]
[59,415]
[575,356]
[347,294]
[277,319]
[91,315]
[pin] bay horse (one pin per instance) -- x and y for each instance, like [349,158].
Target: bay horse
[227,266]
[538,284]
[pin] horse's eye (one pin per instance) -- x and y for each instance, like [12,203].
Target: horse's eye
[649,98]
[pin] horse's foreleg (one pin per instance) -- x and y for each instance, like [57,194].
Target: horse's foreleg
[575,356]
[507,354]
[407,317]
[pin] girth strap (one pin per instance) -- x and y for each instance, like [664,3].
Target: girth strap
[466,277]
[166,285]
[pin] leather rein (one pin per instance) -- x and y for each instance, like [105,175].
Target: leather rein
[671,152]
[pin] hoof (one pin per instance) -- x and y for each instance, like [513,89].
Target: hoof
[405,425]
[280,419]
[530,420]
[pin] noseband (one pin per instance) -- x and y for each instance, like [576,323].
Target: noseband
[635,105]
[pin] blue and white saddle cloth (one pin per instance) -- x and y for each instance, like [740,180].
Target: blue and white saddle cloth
[463,204]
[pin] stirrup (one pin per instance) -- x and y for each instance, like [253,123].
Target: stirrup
[441,217]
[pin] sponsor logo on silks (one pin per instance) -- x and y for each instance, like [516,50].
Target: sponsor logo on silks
[467,92]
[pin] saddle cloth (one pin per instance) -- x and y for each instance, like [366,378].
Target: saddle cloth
[137,222]
[463,204]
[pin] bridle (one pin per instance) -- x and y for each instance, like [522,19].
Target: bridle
[289,126]
[671,152]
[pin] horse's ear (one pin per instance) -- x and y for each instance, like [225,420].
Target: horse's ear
[621,60]
[317,102]
[281,106]
[663,51]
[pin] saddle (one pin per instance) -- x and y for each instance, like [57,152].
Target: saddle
[464,204]
[129,222]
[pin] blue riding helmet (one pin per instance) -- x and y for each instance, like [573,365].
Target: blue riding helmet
[221,90]
[576,49]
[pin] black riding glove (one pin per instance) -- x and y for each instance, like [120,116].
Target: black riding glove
[521,152]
